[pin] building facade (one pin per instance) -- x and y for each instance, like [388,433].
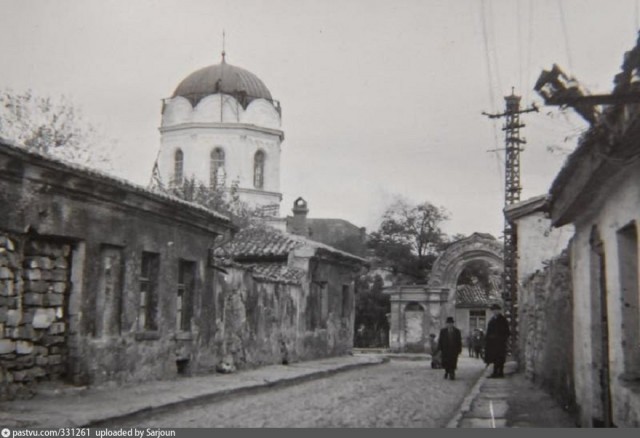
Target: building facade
[598,191]
[105,281]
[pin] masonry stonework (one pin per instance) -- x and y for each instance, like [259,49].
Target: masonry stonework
[546,340]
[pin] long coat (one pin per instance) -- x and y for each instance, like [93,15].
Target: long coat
[496,340]
[451,346]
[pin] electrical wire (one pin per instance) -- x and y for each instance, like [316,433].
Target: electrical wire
[529,50]
[563,23]
[519,40]
[483,16]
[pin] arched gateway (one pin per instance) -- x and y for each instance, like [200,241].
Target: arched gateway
[437,299]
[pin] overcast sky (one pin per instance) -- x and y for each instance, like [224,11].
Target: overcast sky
[379,97]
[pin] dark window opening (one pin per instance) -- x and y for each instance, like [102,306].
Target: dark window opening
[186,285]
[147,318]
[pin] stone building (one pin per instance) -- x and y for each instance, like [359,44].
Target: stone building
[222,127]
[102,280]
[473,303]
[598,191]
[323,279]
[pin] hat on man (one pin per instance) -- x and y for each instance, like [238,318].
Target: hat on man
[496,307]
[449,319]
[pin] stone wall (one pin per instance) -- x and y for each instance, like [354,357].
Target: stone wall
[546,329]
[256,321]
[97,279]
[34,313]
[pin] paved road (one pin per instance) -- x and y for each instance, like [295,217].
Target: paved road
[396,394]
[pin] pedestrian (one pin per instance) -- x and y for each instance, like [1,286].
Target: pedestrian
[450,346]
[495,350]
[436,362]
[469,340]
[478,343]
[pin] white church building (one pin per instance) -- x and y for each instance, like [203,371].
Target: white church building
[222,127]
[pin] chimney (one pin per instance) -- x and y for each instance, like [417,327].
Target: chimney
[299,222]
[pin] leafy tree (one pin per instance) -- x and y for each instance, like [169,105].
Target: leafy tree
[476,270]
[220,199]
[409,237]
[52,127]
[372,306]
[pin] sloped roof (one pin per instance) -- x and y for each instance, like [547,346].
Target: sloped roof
[255,243]
[603,150]
[277,272]
[60,165]
[474,295]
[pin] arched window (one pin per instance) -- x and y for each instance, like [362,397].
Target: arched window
[258,170]
[217,171]
[178,167]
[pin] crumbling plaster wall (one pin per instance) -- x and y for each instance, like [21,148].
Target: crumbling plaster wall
[614,206]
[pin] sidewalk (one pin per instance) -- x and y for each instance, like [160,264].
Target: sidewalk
[94,407]
[509,402]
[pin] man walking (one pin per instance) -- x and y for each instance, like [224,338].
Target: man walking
[495,351]
[450,346]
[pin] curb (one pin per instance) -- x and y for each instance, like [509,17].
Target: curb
[221,395]
[465,406]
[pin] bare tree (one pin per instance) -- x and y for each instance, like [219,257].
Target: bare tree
[52,127]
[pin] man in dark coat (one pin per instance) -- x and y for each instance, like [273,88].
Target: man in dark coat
[450,346]
[495,350]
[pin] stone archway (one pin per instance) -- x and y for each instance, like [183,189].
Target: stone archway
[448,267]
[437,297]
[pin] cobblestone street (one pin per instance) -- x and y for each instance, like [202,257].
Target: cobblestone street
[400,393]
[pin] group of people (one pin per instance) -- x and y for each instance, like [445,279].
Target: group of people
[447,348]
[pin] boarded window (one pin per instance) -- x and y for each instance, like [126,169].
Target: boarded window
[149,268]
[628,265]
[317,306]
[109,294]
[186,287]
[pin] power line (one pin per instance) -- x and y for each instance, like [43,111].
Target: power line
[490,90]
[529,49]
[519,39]
[492,35]
[565,33]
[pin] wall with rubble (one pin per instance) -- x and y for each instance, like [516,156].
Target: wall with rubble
[546,329]
[34,280]
[72,275]
[328,301]
[256,321]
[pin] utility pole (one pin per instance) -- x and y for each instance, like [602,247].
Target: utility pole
[512,189]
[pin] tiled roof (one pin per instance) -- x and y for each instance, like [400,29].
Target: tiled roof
[259,242]
[277,272]
[266,242]
[475,295]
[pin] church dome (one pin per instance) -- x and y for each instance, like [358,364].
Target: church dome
[223,78]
